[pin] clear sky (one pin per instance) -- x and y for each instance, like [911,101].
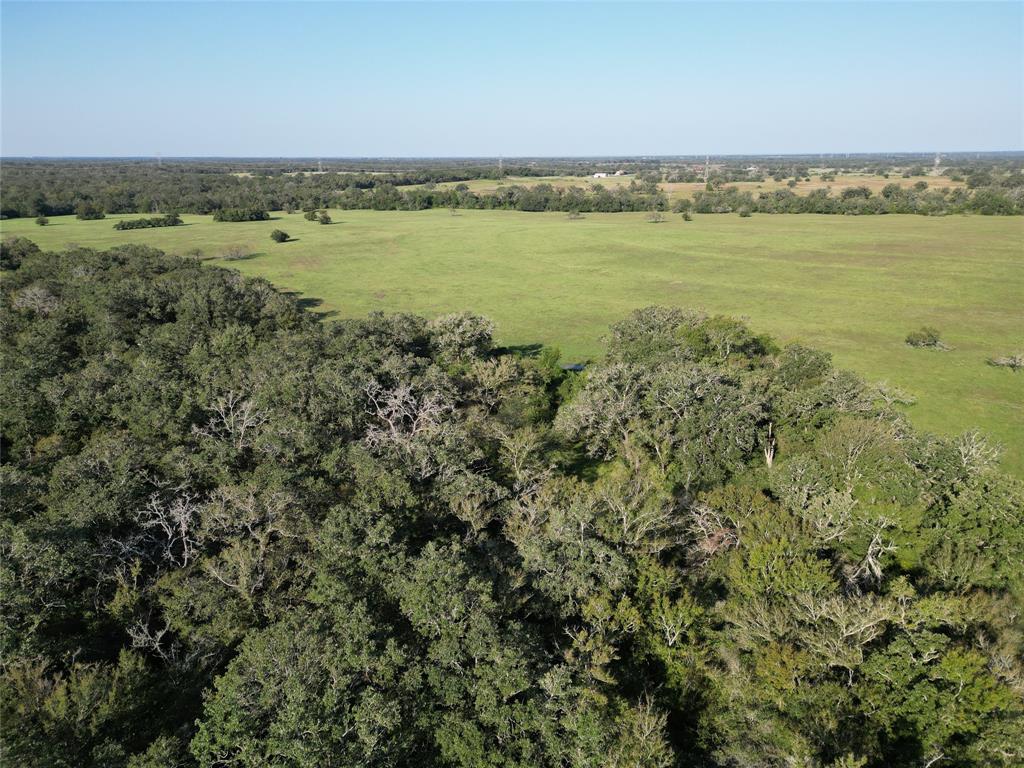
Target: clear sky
[473,79]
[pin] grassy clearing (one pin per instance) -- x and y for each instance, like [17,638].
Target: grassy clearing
[852,285]
[686,189]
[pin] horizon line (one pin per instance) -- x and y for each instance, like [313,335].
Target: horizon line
[627,156]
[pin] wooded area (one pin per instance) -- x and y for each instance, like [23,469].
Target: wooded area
[992,184]
[233,534]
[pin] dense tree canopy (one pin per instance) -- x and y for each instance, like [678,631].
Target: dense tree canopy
[235,535]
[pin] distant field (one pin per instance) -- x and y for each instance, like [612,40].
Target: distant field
[484,186]
[851,285]
[686,189]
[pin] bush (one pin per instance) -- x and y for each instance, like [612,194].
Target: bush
[170,220]
[574,215]
[655,217]
[926,336]
[42,221]
[279,236]
[745,212]
[240,214]
[1013,362]
[320,216]
[236,253]
[687,216]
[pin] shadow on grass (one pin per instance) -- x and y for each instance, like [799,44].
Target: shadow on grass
[245,257]
[522,350]
[310,303]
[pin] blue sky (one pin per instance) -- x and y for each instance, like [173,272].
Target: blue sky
[444,79]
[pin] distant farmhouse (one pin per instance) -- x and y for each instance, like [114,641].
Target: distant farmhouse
[619,172]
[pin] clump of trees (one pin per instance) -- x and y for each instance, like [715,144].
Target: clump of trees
[240,214]
[235,535]
[170,220]
[321,216]
[87,211]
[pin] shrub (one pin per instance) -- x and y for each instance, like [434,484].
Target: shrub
[926,336]
[170,220]
[1013,362]
[235,253]
[240,214]
[573,215]
[744,212]
[279,236]
[687,216]
[655,217]
[42,221]
[321,216]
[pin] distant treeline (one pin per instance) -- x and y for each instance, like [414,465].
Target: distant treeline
[56,189]
[859,201]
[52,188]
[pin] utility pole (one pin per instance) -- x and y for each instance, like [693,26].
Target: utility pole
[501,167]
[707,161]
[320,165]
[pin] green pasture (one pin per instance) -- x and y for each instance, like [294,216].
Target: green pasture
[851,285]
[681,189]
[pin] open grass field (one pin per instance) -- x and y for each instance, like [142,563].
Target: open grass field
[851,285]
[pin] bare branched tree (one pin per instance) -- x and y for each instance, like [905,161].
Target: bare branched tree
[235,418]
[36,298]
[870,567]
[975,454]
[176,523]
[711,532]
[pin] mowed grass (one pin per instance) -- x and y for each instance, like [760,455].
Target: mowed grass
[854,286]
